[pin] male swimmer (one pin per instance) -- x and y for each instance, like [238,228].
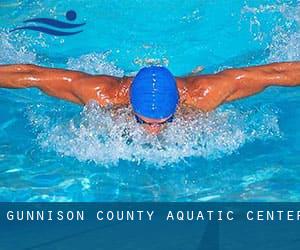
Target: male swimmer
[154,93]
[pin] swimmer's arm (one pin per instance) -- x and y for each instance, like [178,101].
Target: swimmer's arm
[255,79]
[54,82]
[74,86]
[207,92]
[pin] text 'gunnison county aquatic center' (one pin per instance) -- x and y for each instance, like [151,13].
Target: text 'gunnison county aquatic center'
[150,215]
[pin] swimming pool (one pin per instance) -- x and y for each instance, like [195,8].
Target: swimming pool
[51,150]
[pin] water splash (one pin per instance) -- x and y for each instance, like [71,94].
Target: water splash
[95,63]
[143,62]
[264,8]
[106,136]
[12,51]
[195,16]
[285,36]
[285,45]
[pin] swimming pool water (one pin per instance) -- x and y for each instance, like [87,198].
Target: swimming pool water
[51,150]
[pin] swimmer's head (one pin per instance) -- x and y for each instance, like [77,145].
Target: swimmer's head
[154,95]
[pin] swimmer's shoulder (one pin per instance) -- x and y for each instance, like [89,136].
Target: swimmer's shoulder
[190,86]
[205,92]
[104,89]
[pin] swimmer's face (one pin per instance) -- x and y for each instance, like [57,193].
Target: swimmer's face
[153,126]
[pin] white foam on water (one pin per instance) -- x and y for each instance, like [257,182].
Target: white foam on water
[95,63]
[13,51]
[264,8]
[106,136]
[285,43]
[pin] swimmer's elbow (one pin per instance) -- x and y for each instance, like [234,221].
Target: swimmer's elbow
[234,75]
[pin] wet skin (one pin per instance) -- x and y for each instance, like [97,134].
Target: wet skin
[203,92]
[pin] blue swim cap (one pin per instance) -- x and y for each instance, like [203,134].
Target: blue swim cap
[154,93]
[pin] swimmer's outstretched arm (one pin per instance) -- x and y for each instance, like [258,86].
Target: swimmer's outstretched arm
[207,92]
[74,86]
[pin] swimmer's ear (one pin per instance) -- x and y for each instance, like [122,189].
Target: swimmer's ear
[196,71]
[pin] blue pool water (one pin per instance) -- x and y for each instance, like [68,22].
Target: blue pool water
[52,150]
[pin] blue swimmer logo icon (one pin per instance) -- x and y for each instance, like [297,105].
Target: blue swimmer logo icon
[58,28]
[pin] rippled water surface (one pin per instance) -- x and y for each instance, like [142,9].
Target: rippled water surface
[52,150]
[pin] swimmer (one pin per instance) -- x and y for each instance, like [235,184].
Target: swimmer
[154,93]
